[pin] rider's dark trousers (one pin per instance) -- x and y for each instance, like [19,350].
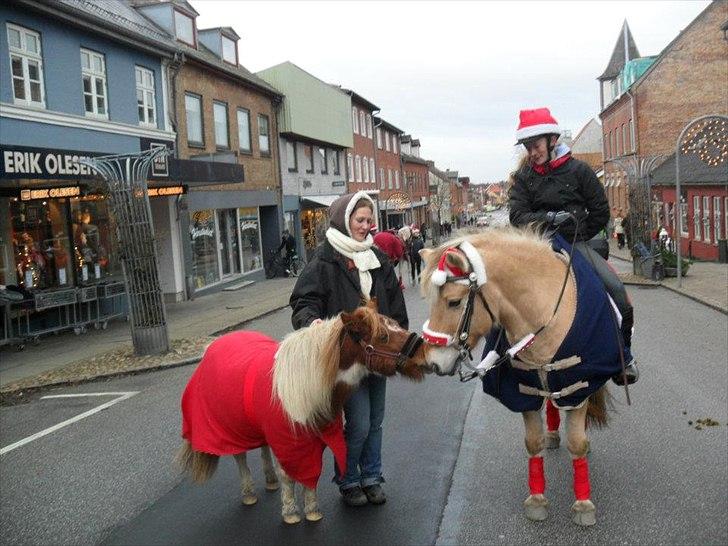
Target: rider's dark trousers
[614,287]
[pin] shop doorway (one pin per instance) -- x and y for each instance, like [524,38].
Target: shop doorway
[229,241]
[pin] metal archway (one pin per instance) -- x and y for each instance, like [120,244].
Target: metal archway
[711,135]
[125,183]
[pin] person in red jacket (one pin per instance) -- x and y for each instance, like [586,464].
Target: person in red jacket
[391,245]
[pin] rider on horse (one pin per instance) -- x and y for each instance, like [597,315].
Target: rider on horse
[564,194]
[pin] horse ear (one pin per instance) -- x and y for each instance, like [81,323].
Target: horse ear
[426,254]
[455,259]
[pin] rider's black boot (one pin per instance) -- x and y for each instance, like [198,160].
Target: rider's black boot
[631,371]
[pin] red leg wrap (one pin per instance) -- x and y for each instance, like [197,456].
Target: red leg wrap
[582,490]
[536,479]
[553,419]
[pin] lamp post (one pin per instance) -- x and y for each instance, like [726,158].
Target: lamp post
[710,137]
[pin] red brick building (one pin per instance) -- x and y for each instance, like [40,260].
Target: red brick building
[415,178]
[361,159]
[393,201]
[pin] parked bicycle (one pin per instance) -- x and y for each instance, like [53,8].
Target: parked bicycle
[278,266]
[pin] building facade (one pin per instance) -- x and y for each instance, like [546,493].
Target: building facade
[416,179]
[394,201]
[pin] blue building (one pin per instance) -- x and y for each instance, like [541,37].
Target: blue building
[77,79]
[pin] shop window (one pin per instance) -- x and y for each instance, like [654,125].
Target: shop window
[263,135]
[93,77]
[706,218]
[94,243]
[146,106]
[26,62]
[717,231]
[229,239]
[250,238]
[696,218]
[203,236]
[314,223]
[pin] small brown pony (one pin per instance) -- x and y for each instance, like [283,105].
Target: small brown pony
[251,392]
[520,292]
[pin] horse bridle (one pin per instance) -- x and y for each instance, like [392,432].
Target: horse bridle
[408,350]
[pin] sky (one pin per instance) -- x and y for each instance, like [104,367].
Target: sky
[454,74]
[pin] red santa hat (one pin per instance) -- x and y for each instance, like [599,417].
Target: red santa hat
[444,269]
[536,122]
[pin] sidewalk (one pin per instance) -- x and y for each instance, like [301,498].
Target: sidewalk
[705,282]
[192,325]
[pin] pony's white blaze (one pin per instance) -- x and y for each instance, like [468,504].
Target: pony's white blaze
[352,375]
[442,357]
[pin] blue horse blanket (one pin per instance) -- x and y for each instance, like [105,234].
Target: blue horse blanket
[593,336]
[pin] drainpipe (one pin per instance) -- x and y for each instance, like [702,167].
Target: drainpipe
[633,133]
[277,104]
[376,164]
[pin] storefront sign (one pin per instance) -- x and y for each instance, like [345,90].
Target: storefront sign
[167,190]
[24,162]
[336,183]
[160,166]
[398,201]
[49,193]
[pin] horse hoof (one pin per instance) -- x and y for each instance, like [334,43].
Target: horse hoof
[584,513]
[536,513]
[249,500]
[552,440]
[292,519]
[314,516]
[272,486]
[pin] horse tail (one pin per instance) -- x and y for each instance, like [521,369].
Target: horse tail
[598,406]
[200,466]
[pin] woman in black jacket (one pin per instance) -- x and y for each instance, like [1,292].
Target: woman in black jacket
[344,272]
[564,194]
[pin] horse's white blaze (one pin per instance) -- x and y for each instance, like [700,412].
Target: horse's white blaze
[443,357]
[352,375]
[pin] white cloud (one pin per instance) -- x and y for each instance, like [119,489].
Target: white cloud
[454,74]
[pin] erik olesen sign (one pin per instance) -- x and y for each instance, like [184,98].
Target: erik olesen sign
[43,163]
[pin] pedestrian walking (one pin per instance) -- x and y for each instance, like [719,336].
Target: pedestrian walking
[345,271]
[564,194]
[619,229]
[415,259]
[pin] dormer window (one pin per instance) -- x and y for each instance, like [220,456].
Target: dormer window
[184,27]
[229,51]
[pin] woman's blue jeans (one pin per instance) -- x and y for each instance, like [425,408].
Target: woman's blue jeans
[364,413]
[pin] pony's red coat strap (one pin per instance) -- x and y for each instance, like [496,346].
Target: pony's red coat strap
[536,477]
[582,490]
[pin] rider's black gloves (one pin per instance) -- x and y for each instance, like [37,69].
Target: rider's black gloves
[554,218]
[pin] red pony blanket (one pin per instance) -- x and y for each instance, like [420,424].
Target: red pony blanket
[228,408]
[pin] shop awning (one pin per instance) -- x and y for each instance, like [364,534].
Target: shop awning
[318,200]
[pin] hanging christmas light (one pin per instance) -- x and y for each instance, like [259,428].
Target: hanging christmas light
[709,141]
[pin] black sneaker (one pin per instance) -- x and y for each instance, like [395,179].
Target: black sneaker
[354,496]
[630,371]
[375,494]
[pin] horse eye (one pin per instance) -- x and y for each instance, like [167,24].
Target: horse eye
[383,337]
[454,303]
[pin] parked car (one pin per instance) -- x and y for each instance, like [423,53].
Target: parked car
[482,221]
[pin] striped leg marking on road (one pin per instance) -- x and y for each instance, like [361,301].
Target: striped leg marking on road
[120,396]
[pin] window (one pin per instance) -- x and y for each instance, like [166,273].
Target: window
[606,145]
[357,163]
[386,140]
[381,178]
[249,221]
[696,218]
[350,167]
[336,161]
[93,76]
[263,135]
[220,117]
[379,138]
[725,216]
[370,134]
[612,144]
[389,178]
[243,130]
[26,66]
[323,153]
[203,239]
[193,110]
[394,144]
[396,179]
[624,139]
[717,231]
[620,147]
[355,119]
[308,153]
[146,106]
[184,28]
[365,162]
[684,219]
[706,218]
[291,157]
[362,123]
[371,171]
[229,51]
[632,148]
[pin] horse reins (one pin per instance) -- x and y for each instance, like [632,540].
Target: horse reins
[408,350]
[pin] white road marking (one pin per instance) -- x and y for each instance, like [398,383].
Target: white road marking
[121,396]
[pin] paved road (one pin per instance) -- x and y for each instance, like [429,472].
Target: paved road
[655,479]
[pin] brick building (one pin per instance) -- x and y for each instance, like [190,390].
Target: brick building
[415,178]
[360,160]
[394,203]
[659,97]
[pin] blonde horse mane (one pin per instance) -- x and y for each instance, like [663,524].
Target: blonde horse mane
[306,366]
[526,238]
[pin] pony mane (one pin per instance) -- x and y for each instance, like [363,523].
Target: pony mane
[527,238]
[304,372]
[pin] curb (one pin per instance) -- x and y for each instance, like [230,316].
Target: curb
[10,396]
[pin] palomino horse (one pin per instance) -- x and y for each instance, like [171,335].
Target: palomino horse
[548,349]
[250,392]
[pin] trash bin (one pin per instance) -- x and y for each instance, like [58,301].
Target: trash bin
[723,251]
